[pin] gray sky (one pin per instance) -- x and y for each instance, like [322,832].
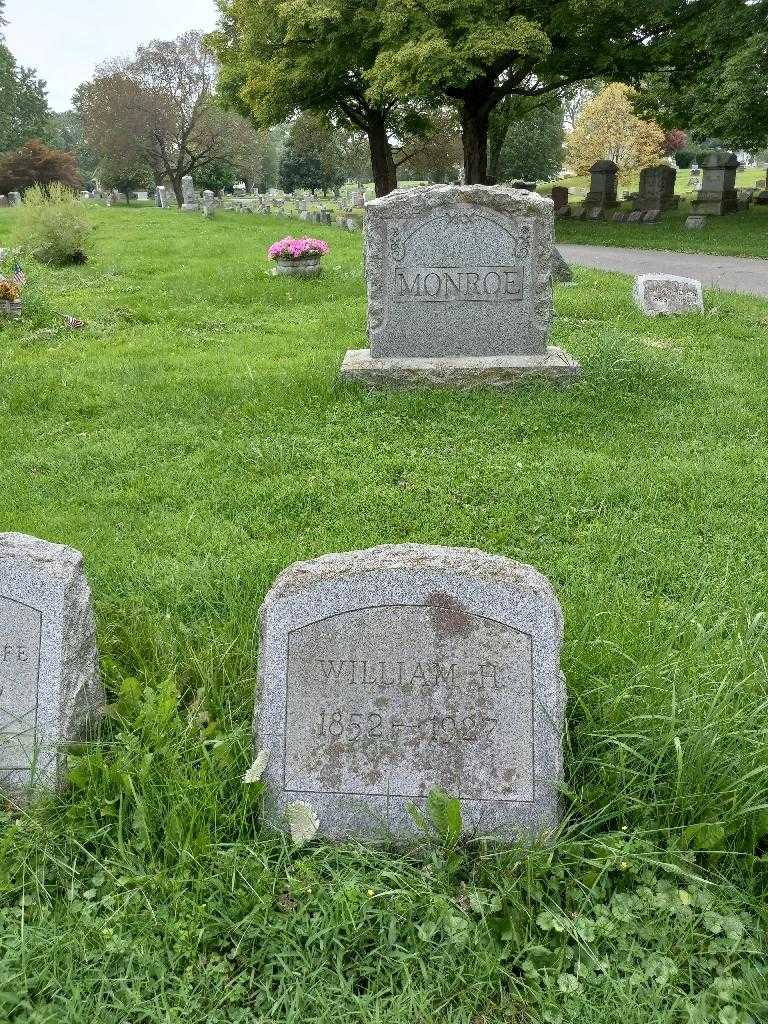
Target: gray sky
[66,39]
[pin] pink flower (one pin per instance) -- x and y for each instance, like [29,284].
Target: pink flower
[297,248]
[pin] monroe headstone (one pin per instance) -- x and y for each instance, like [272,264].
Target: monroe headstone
[389,672]
[459,289]
[50,690]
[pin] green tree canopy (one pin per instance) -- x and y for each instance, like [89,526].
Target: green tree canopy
[278,59]
[526,139]
[24,112]
[476,52]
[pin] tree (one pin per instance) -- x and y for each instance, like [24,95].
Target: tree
[526,139]
[608,129]
[24,112]
[36,164]
[723,93]
[476,52]
[674,141]
[124,175]
[312,155]
[437,155]
[280,59]
[159,108]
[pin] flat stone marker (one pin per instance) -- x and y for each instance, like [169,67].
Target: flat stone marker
[388,672]
[666,294]
[695,221]
[459,289]
[50,690]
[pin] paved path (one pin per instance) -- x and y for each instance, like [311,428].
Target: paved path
[730,273]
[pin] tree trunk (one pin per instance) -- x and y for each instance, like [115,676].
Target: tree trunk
[176,186]
[382,161]
[474,139]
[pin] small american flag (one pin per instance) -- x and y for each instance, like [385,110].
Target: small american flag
[18,274]
[73,322]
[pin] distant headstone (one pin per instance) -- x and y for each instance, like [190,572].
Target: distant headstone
[209,203]
[717,195]
[559,197]
[459,288]
[189,199]
[651,216]
[560,270]
[14,199]
[620,217]
[352,224]
[603,185]
[387,673]
[358,199]
[50,690]
[657,188]
[666,294]
[161,197]
[3,200]
[635,217]
[595,213]
[694,222]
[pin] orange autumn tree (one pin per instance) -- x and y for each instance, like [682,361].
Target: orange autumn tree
[609,129]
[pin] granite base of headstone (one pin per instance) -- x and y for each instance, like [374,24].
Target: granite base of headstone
[459,289]
[667,294]
[50,690]
[385,674]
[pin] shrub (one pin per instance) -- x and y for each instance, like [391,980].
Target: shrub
[54,225]
[36,164]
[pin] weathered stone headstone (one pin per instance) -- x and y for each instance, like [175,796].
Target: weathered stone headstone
[762,196]
[666,294]
[3,200]
[657,188]
[352,224]
[603,185]
[209,203]
[560,270]
[161,198]
[14,198]
[189,199]
[389,672]
[717,195]
[635,217]
[693,223]
[651,216]
[595,213]
[50,690]
[459,288]
[620,217]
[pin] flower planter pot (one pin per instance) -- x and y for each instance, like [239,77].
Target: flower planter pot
[307,266]
[10,309]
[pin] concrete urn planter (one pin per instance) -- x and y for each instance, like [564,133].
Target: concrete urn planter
[307,266]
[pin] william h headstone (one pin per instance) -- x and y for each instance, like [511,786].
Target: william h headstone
[389,672]
[459,289]
[50,689]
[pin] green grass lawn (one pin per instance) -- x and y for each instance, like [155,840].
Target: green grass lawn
[192,441]
[737,234]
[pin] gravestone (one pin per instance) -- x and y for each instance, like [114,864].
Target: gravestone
[651,216]
[620,217]
[161,197]
[389,672]
[50,690]
[635,217]
[3,200]
[560,270]
[603,185]
[667,294]
[693,223]
[657,188]
[14,198]
[717,195]
[595,213]
[762,196]
[189,199]
[352,224]
[209,203]
[459,289]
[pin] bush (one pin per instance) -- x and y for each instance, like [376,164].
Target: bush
[36,164]
[54,225]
